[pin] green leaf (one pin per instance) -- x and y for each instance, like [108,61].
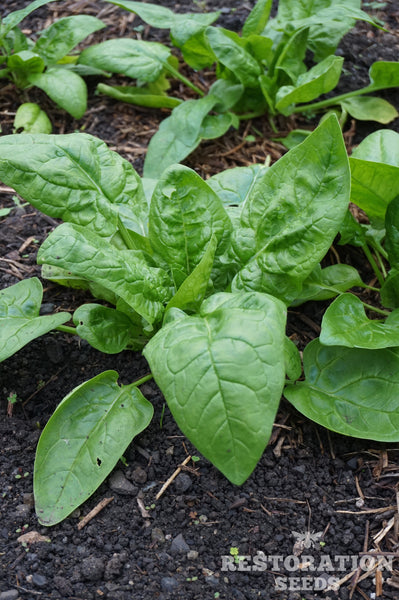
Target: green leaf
[64,277]
[390,290]
[383,75]
[320,79]
[65,88]
[234,186]
[20,322]
[350,390]
[107,329]
[83,441]
[138,96]
[15,17]
[373,186]
[177,136]
[62,36]
[294,138]
[368,108]
[392,232]
[135,58]
[326,283]
[125,273]
[184,215]
[345,324]
[382,146]
[84,181]
[24,66]
[214,126]
[292,360]
[229,51]
[222,373]
[257,18]
[192,291]
[32,119]
[295,211]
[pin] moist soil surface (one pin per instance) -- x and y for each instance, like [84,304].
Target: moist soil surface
[315,502]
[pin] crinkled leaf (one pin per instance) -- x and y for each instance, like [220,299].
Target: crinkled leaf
[107,329]
[82,442]
[30,118]
[345,324]
[65,88]
[74,177]
[192,291]
[177,136]
[138,96]
[25,66]
[63,35]
[20,322]
[295,210]
[257,18]
[350,390]
[326,283]
[184,215]
[135,58]
[125,273]
[320,79]
[229,51]
[222,373]
[368,108]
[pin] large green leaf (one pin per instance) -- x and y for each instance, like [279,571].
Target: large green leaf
[382,146]
[222,373]
[125,273]
[184,215]
[65,88]
[350,390]
[368,108]
[320,79]
[373,186]
[296,209]
[83,441]
[20,322]
[230,52]
[345,324]
[63,35]
[135,58]
[392,232]
[75,178]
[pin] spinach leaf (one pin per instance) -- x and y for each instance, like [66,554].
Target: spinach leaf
[82,442]
[20,322]
[222,374]
[30,118]
[326,283]
[65,88]
[257,18]
[349,390]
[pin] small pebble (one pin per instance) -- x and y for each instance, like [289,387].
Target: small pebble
[182,482]
[9,595]
[119,484]
[92,568]
[179,545]
[169,584]
[139,475]
[39,580]
[157,535]
[192,555]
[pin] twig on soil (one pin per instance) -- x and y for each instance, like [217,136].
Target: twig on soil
[94,512]
[144,512]
[380,536]
[172,477]
[367,512]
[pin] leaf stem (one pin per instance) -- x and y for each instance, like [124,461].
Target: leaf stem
[67,329]
[186,81]
[143,380]
[376,310]
[373,264]
[329,102]
[125,234]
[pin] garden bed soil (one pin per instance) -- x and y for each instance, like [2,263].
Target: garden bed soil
[314,496]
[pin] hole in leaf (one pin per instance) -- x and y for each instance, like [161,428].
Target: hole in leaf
[99,461]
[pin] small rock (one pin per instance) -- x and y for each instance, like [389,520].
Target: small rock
[299,469]
[139,475]
[29,499]
[179,545]
[63,586]
[119,484]
[192,555]
[92,568]
[183,482]
[9,595]
[22,511]
[212,580]
[169,584]
[39,580]
[114,565]
[157,535]
[47,308]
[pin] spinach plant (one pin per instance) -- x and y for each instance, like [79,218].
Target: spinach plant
[46,62]
[198,275]
[263,71]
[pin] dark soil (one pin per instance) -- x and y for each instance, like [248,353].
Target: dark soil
[308,481]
